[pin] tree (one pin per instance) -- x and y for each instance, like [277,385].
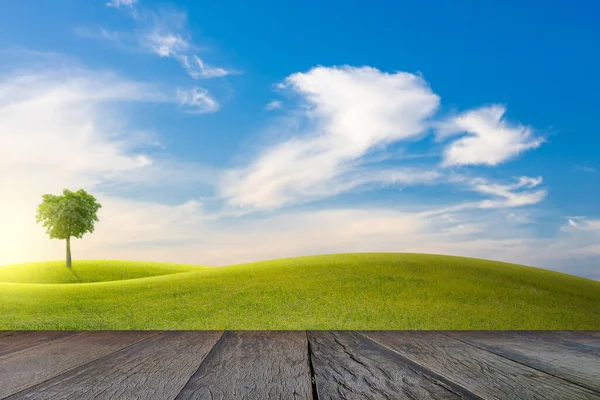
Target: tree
[71,215]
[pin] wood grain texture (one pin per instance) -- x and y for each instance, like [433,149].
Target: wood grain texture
[555,358]
[254,365]
[154,369]
[26,368]
[587,342]
[276,364]
[348,365]
[486,374]
[11,342]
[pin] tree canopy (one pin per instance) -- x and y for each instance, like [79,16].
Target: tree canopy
[71,215]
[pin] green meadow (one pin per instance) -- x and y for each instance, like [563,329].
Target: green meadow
[345,291]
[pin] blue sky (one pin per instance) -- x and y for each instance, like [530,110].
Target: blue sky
[221,132]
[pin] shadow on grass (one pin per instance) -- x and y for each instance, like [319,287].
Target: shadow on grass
[71,270]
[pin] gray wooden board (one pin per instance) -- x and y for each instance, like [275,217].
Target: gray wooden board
[585,341]
[348,365]
[254,365]
[17,341]
[154,369]
[554,358]
[488,375]
[29,367]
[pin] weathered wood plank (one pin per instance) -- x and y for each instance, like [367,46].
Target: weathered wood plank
[587,342]
[488,375]
[254,365]
[554,358]
[11,342]
[348,365]
[26,368]
[154,369]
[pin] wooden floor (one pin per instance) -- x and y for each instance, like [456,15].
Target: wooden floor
[300,365]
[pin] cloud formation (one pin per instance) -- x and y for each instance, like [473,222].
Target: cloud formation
[197,101]
[506,196]
[585,168]
[121,3]
[273,105]
[488,139]
[348,112]
[198,69]
[327,231]
[63,128]
[71,121]
[79,138]
[166,34]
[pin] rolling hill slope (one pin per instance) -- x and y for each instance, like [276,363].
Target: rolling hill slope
[347,291]
[86,271]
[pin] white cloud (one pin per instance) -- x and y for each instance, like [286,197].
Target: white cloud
[585,168]
[70,120]
[166,44]
[515,195]
[349,111]
[273,105]
[121,3]
[79,139]
[489,140]
[129,223]
[209,242]
[126,41]
[63,129]
[584,224]
[579,242]
[197,100]
[98,33]
[166,34]
[198,69]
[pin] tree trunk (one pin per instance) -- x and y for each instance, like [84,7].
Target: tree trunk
[68,252]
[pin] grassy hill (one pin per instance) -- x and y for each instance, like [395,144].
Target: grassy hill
[348,291]
[87,271]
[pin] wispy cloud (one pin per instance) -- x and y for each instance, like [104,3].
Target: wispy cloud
[197,100]
[198,69]
[166,44]
[68,131]
[126,41]
[348,112]
[121,3]
[489,139]
[514,195]
[166,34]
[585,168]
[333,230]
[79,138]
[583,224]
[273,105]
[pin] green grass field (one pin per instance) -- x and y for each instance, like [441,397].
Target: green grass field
[87,271]
[349,291]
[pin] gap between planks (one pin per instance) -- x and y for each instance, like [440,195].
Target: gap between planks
[27,377]
[349,365]
[154,368]
[486,375]
[309,351]
[503,349]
